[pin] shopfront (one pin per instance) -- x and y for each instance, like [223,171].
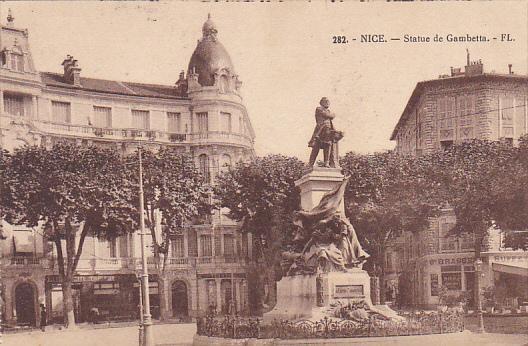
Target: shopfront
[509,275]
[109,297]
[453,272]
[505,271]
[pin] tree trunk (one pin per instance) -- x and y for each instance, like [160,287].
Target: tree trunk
[381,275]
[478,302]
[67,302]
[67,267]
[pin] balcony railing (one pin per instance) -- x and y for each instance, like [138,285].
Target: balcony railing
[91,264]
[27,262]
[89,131]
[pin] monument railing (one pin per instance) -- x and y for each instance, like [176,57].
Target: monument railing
[421,323]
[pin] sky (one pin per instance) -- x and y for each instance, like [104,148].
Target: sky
[283,53]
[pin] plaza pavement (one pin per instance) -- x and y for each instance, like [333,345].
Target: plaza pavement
[182,334]
[165,334]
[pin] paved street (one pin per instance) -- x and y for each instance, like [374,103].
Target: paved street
[182,334]
[171,334]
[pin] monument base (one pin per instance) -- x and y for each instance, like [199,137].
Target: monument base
[315,296]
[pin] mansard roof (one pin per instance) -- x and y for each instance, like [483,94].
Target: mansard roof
[114,87]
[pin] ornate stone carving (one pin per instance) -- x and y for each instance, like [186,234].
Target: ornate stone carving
[329,240]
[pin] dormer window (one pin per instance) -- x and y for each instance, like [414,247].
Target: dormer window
[17,62]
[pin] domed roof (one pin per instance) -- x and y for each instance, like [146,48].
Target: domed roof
[209,56]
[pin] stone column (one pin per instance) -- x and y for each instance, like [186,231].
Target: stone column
[165,312]
[218,283]
[1,101]
[238,296]
[34,113]
[9,302]
[185,245]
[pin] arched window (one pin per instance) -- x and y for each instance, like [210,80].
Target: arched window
[225,162]
[224,84]
[203,164]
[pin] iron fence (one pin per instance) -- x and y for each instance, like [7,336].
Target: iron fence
[419,323]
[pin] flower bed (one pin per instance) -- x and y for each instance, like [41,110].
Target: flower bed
[414,324]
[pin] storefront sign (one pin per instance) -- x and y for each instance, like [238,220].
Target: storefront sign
[82,278]
[460,260]
[510,258]
[453,281]
[348,291]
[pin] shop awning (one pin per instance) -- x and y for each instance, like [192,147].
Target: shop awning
[515,269]
[23,241]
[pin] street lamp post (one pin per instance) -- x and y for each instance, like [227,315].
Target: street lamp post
[141,343]
[478,273]
[148,337]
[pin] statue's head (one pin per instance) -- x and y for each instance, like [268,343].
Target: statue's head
[325,102]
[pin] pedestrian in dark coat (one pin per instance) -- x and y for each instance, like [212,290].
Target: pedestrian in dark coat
[43,317]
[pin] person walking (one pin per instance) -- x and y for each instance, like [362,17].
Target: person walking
[43,317]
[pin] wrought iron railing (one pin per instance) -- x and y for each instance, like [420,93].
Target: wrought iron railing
[414,324]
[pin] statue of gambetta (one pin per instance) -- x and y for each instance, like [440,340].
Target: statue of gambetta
[324,136]
[329,240]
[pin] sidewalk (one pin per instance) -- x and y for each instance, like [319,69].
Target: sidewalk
[91,335]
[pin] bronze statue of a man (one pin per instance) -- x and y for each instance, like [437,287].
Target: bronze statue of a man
[324,136]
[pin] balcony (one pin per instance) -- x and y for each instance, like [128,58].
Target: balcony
[123,134]
[23,262]
[213,137]
[116,264]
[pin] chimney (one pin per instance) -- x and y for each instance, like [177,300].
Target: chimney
[510,69]
[72,72]
[181,84]
[10,18]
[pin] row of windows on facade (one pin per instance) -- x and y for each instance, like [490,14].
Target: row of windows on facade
[444,243]
[207,241]
[450,116]
[102,116]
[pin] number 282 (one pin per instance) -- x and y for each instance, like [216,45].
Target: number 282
[339,39]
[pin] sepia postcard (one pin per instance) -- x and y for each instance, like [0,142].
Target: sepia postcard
[263,172]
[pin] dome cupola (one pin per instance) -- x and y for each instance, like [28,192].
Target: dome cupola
[209,57]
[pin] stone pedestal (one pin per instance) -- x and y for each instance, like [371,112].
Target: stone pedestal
[310,296]
[296,297]
[315,183]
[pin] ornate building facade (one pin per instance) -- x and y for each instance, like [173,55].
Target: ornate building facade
[466,104]
[201,114]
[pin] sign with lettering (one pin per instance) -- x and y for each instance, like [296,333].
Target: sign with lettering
[460,260]
[453,281]
[510,257]
[348,291]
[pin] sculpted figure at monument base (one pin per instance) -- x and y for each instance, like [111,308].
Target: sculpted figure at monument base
[330,241]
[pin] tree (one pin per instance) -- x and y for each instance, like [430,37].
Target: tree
[511,191]
[386,195]
[4,158]
[71,192]
[475,178]
[262,195]
[174,193]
